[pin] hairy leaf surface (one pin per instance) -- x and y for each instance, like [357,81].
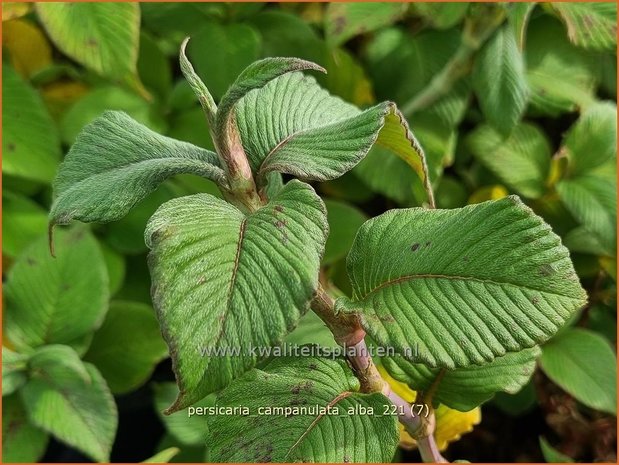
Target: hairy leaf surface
[465,388]
[591,25]
[453,288]
[304,437]
[116,162]
[225,280]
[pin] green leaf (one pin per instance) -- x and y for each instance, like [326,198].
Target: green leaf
[521,161]
[221,52]
[441,15]
[311,330]
[591,25]
[559,75]
[552,455]
[466,388]
[589,190]
[518,17]
[519,403]
[343,21]
[499,81]
[116,267]
[164,456]
[592,140]
[187,454]
[102,99]
[22,442]
[115,163]
[153,66]
[189,430]
[128,346]
[13,371]
[321,138]
[585,366]
[103,37]
[56,300]
[22,222]
[345,435]
[70,400]
[344,221]
[224,271]
[452,288]
[30,142]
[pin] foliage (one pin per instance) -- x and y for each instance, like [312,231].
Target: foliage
[500,99]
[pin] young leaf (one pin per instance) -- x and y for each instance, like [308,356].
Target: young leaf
[466,388]
[591,25]
[243,281]
[461,286]
[70,400]
[56,300]
[521,161]
[345,20]
[22,442]
[499,81]
[343,436]
[30,142]
[127,346]
[13,371]
[102,37]
[188,430]
[584,364]
[293,126]
[116,162]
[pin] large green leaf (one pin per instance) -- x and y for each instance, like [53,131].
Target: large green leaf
[589,190]
[518,17]
[293,126]
[243,281]
[103,37]
[521,161]
[13,371]
[189,430]
[584,364]
[22,222]
[342,435]
[30,142]
[499,80]
[559,74]
[56,300]
[345,20]
[452,288]
[115,163]
[441,15]
[127,346]
[22,442]
[70,400]
[591,25]
[466,388]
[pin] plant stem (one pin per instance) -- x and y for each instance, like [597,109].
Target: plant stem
[478,27]
[429,450]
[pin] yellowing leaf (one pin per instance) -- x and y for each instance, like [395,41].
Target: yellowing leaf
[60,95]
[482,194]
[14,10]
[28,48]
[450,424]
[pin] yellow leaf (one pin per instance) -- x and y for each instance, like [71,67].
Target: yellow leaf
[28,48]
[14,10]
[488,193]
[450,424]
[60,95]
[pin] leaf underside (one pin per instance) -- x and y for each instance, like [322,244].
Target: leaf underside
[453,288]
[225,280]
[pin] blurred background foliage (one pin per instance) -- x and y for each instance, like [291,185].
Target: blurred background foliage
[505,98]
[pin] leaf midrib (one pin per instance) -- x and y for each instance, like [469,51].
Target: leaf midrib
[406,278]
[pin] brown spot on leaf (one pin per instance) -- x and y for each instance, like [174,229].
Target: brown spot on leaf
[31,261]
[415,247]
[535,300]
[201,280]
[280,224]
[92,42]
[546,270]
[10,147]
[279,208]
[339,24]
[312,366]
[428,244]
